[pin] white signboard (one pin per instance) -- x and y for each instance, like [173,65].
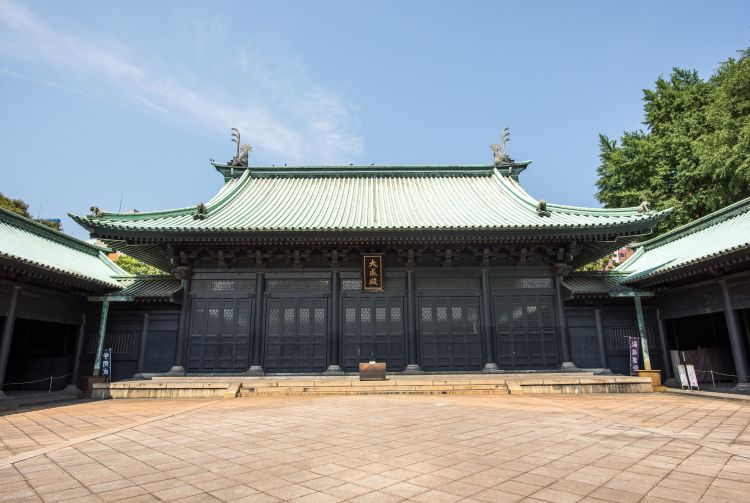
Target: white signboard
[683,376]
[691,376]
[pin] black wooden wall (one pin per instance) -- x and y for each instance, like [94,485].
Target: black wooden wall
[124,330]
[618,323]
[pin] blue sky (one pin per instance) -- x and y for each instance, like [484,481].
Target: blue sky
[103,100]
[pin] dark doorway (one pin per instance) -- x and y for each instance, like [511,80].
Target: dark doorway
[40,350]
[703,340]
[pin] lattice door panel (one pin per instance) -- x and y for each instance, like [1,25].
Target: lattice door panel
[296,334]
[373,329]
[525,331]
[449,333]
[219,338]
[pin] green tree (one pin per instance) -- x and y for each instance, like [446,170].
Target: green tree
[600,264]
[694,155]
[15,205]
[135,266]
[21,207]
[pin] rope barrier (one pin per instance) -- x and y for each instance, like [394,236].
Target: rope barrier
[50,378]
[714,372]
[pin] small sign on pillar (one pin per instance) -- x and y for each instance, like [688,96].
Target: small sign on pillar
[634,343]
[372,273]
[107,364]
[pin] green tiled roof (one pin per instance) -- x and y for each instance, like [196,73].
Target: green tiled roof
[152,288]
[715,235]
[595,283]
[372,198]
[34,246]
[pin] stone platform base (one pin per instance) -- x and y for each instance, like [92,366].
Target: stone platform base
[459,384]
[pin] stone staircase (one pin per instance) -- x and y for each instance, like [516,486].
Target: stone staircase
[393,386]
[286,386]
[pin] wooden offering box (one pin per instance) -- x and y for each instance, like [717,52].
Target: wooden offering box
[372,371]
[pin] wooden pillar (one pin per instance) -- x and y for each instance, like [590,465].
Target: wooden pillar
[665,360]
[562,325]
[603,360]
[256,368]
[487,330]
[102,336]
[412,366]
[76,374]
[642,333]
[334,365]
[182,332]
[739,348]
[10,323]
[142,347]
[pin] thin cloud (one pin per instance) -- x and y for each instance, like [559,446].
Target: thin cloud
[291,119]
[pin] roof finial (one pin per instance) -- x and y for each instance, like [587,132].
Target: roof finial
[500,150]
[236,139]
[243,151]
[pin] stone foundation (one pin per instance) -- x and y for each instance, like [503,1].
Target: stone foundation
[464,384]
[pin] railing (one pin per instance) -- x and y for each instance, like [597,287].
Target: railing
[712,372]
[50,378]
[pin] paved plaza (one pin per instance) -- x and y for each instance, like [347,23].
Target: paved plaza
[430,449]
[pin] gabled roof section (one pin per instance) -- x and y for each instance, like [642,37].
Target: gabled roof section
[595,283]
[31,246]
[704,240]
[373,199]
[147,288]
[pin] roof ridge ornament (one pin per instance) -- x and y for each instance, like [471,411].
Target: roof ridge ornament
[201,212]
[644,207]
[541,208]
[500,150]
[243,150]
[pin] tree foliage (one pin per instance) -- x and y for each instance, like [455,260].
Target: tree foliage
[601,264]
[135,266]
[694,155]
[21,207]
[17,206]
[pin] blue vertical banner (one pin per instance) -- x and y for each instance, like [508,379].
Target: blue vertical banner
[634,345]
[107,364]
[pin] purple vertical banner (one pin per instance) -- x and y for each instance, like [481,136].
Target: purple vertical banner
[634,346]
[107,364]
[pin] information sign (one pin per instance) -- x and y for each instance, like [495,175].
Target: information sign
[372,272]
[692,379]
[107,364]
[683,376]
[634,345]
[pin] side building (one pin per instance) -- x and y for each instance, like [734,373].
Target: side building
[51,286]
[700,274]
[694,286]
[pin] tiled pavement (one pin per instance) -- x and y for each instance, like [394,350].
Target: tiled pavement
[617,448]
